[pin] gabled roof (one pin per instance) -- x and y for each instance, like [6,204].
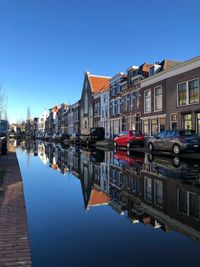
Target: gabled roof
[167,64]
[98,198]
[98,83]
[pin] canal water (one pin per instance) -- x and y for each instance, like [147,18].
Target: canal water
[87,207]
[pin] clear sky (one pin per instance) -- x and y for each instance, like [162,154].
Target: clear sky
[46,45]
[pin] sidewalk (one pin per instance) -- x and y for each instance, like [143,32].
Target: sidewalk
[14,242]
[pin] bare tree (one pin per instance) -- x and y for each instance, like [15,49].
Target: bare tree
[3,102]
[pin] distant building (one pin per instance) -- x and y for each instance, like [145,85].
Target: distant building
[42,120]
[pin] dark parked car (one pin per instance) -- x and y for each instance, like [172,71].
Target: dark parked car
[96,134]
[129,138]
[75,139]
[3,136]
[175,141]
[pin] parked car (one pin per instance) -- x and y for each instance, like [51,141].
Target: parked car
[75,139]
[3,136]
[129,139]
[176,141]
[96,134]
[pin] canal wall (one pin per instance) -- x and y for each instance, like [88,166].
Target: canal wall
[14,241]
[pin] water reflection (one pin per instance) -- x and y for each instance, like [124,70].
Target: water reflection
[159,191]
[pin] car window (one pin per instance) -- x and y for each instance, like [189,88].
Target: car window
[171,134]
[161,134]
[135,133]
[187,133]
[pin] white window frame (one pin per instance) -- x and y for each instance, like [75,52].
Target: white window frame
[146,112]
[155,88]
[187,93]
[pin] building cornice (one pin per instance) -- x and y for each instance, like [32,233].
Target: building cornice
[176,70]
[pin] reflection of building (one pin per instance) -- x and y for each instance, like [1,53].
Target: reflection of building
[159,193]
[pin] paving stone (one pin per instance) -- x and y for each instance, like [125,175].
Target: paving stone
[14,240]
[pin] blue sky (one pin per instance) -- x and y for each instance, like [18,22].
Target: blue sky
[46,45]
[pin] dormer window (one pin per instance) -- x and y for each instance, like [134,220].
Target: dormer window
[151,71]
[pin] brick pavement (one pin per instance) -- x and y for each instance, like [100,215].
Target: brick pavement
[14,242]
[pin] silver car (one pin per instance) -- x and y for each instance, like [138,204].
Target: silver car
[175,141]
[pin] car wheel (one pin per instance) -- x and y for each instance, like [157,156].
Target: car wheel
[150,147]
[176,161]
[176,149]
[128,145]
[115,144]
[150,157]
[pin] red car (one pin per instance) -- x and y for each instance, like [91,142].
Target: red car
[129,138]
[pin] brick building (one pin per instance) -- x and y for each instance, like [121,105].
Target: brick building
[92,85]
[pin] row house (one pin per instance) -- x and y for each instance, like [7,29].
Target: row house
[42,120]
[131,97]
[92,85]
[52,120]
[76,117]
[104,109]
[61,118]
[171,97]
[70,120]
[115,115]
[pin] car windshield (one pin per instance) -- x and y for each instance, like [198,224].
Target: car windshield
[135,133]
[187,133]
[93,131]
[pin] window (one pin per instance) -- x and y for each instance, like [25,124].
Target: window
[198,123]
[182,94]
[193,87]
[113,108]
[118,106]
[189,203]
[188,92]
[86,103]
[173,121]
[113,90]
[162,124]
[158,193]
[146,127]
[158,98]
[154,126]
[147,189]
[171,134]
[118,87]
[161,134]
[147,101]
[104,98]
[187,121]
[151,71]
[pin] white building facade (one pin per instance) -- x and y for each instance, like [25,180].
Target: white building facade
[105,112]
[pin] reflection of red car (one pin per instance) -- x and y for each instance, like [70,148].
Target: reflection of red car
[129,138]
[131,161]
